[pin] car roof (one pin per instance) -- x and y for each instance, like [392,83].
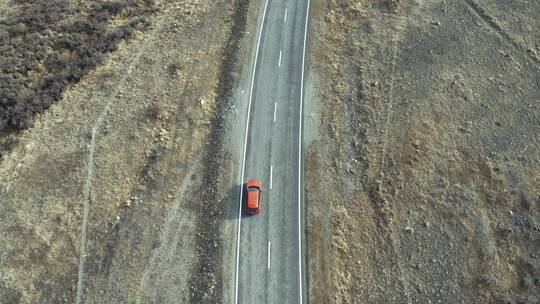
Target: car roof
[253,199]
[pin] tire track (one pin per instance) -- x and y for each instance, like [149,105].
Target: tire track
[92,147]
[390,98]
[380,187]
[483,14]
[169,229]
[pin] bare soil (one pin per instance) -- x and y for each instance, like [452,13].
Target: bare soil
[423,180]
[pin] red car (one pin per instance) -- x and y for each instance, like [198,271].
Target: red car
[253,196]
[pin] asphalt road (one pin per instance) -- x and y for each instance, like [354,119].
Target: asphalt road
[269,251]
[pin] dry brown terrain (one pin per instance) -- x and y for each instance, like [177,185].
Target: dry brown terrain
[427,153]
[101,198]
[422,167]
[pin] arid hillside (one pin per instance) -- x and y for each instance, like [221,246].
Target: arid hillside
[110,122]
[427,154]
[422,126]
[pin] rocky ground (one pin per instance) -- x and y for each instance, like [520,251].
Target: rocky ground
[101,193]
[427,152]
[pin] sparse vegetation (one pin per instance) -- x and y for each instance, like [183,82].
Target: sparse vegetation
[392,5]
[422,183]
[156,111]
[141,194]
[48,45]
[173,69]
[6,144]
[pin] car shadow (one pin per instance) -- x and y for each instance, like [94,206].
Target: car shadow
[230,203]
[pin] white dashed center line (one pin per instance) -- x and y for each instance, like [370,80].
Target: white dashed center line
[280,54]
[285,18]
[275,110]
[269,247]
[271,169]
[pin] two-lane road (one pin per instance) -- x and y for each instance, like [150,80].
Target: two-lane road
[269,246]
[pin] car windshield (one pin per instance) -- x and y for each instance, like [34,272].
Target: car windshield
[253,188]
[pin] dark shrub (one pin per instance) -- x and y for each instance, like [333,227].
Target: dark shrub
[50,44]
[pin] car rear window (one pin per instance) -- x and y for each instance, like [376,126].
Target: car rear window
[253,188]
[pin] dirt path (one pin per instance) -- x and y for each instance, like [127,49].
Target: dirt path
[96,128]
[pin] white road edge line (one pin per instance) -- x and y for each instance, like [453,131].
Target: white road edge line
[275,110]
[280,54]
[300,159]
[285,18]
[271,169]
[244,156]
[269,247]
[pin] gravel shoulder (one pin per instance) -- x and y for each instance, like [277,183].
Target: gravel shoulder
[422,183]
